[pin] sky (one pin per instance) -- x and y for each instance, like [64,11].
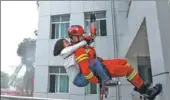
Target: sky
[19,20]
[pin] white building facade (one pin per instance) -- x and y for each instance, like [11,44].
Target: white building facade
[137,30]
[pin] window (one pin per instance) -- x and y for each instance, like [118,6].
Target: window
[91,89]
[58,80]
[59,26]
[100,22]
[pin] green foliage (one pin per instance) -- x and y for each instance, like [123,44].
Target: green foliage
[26,50]
[4,80]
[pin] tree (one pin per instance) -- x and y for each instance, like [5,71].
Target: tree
[26,50]
[4,80]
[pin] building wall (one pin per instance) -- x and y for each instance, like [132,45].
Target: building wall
[157,22]
[44,57]
[163,10]
[137,12]
[127,28]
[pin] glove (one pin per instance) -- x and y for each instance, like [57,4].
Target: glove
[89,42]
[92,30]
[89,39]
[92,26]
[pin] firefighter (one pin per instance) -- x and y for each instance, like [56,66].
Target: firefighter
[115,67]
[64,49]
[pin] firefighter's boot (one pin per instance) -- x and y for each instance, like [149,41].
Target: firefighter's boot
[154,91]
[149,92]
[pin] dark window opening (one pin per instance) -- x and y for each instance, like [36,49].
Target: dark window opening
[53,31]
[93,89]
[52,84]
[103,29]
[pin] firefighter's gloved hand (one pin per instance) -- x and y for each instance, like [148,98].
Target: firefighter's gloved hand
[89,42]
[92,26]
[93,30]
[89,39]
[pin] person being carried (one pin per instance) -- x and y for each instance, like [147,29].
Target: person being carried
[66,51]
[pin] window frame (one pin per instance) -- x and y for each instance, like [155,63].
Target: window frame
[97,19]
[59,22]
[88,89]
[57,84]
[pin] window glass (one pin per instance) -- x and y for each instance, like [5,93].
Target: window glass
[64,83]
[103,28]
[52,84]
[54,69]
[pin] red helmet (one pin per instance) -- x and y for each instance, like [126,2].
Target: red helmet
[75,30]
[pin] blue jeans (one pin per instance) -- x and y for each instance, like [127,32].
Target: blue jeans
[97,68]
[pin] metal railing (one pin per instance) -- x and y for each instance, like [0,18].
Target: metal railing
[8,97]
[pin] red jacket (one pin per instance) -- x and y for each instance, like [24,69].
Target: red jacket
[83,61]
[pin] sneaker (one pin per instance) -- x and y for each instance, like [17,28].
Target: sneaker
[111,83]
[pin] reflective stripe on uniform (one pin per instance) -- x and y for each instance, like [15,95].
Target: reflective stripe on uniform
[81,56]
[81,59]
[89,76]
[87,50]
[127,64]
[132,75]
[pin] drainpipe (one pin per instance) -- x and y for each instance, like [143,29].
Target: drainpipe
[115,42]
